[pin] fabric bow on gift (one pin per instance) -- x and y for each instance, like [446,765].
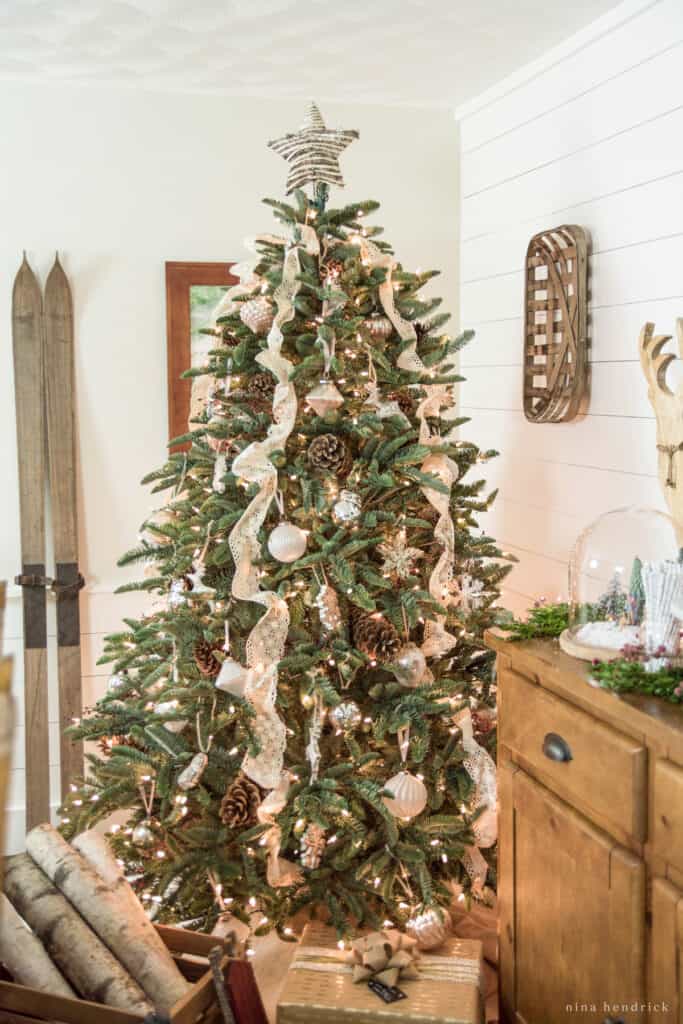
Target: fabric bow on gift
[384,956]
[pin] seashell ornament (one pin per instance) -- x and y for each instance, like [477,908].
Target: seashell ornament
[409,795]
[190,776]
[327,603]
[663,586]
[431,928]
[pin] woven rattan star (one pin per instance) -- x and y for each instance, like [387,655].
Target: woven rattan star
[313,151]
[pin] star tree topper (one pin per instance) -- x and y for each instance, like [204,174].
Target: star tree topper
[313,151]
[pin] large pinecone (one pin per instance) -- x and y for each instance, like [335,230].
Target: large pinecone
[329,453]
[238,806]
[205,657]
[261,385]
[374,635]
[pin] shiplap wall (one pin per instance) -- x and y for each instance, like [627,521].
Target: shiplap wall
[136,178]
[592,135]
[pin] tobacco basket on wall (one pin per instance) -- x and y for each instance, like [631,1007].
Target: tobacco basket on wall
[556,332]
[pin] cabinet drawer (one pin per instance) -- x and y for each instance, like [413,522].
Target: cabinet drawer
[668,813]
[604,770]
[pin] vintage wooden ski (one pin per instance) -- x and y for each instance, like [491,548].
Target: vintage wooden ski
[27,340]
[61,444]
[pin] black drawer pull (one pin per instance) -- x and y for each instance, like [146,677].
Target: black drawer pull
[556,748]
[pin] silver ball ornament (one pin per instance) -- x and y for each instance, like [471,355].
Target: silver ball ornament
[379,327]
[143,836]
[431,928]
[346,715]
[287,542]
[116,683]
[409,665]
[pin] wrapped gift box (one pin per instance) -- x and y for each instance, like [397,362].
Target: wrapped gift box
[319,988]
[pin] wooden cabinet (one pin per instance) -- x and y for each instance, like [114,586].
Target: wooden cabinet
[590,849]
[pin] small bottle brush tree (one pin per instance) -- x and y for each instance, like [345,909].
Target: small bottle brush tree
[279,728]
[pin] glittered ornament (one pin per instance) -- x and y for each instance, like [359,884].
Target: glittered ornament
[287,542]
[399,556]
[116,682]
[312,846]
[347,507]
[190,776]
[379,327]
[431,928]
[257,314]
[408,795]
[324,397]
[232,678]
[327,603]
[409,665]
[346,715]
[142,836]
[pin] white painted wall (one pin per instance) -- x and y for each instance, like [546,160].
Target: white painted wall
[120,182]
[592,134]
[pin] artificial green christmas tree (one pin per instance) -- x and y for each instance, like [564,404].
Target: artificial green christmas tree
[291,723]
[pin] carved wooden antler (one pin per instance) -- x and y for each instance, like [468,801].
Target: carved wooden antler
[668,408]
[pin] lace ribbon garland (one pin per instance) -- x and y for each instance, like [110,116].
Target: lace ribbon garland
[266,642]
[437,640]
[482,770]
[279,872]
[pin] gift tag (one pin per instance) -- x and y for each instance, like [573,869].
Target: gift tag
[389,993]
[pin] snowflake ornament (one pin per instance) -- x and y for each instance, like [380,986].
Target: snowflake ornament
[398,558]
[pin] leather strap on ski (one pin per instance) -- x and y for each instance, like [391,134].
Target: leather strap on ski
[58,587]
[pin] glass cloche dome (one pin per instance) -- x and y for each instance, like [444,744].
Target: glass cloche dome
[624,576]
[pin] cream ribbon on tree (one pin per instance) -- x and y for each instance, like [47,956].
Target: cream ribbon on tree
[437,640]
[266,642]
[482,770]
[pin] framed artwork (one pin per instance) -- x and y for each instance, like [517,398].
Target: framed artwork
[193,290]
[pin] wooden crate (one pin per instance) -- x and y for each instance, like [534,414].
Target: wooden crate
[22,1005]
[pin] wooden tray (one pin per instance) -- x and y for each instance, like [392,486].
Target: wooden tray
[22,1005]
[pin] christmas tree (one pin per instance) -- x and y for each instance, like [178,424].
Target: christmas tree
[295,721]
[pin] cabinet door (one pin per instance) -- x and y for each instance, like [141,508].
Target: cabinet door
[573,912]
[666,954]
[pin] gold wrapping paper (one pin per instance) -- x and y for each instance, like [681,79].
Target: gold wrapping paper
[319,988]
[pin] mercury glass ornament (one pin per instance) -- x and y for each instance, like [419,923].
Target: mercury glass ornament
[287,542]
[143,836]
[232,678]
[257,314]
[348,507]
[409,665]
[190,776]
[346,715]
[327,603]
[379,327]
[116,683]
[409,795]
[431,928]
[324,397]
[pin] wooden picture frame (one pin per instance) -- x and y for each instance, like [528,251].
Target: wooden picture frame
[181,278]
[556,364]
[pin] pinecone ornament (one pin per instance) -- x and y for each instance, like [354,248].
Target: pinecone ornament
[334,268]
[404,400]
[312,846]
[205,658]
[261,385]
[374,635]
[238,806]
[329,453]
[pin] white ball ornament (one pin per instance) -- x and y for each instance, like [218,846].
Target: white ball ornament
[408,795]
[232,678]
[431,928]
[287,542]
[409,665]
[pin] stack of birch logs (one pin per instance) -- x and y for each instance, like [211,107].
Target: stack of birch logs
[71,925]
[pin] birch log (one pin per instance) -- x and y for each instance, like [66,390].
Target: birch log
[96,850]
[75,949]
[24,956]
[108,914]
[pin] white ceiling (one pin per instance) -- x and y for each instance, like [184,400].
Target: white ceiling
[413,52]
